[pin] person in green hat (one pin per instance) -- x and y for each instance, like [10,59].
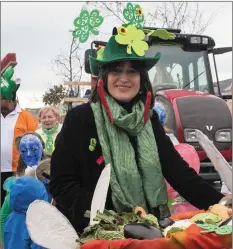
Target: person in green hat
[14,122]
[118,126]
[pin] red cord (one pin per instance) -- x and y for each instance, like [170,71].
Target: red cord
[147,106]
[100,89]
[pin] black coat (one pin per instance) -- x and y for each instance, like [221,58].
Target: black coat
[75,171]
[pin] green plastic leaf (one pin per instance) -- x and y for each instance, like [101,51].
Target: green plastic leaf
[133,38]
[209,227]
[86,24]
[95,19]
[131,34]
[224,230]
[100,54]
[82,33]
[8,86]
[133,14]
[82,20]
[129,51]
[162,34]
[206,217]
[140,47]
[94,31]
[128,12]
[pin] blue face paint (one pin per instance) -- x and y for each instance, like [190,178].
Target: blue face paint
[31,149]
[161,111]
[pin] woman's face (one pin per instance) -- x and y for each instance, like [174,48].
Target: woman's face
[48,119]
[31,149]
[123,82]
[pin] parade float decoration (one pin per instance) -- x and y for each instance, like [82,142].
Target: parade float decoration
[204,229]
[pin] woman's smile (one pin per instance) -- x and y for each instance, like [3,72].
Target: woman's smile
[124,82]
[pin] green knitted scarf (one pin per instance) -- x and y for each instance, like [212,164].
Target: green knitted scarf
[49,138]
[133,183]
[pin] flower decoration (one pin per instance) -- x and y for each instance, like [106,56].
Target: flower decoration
[122,30]
[100,160]
[8,86]
[162,34]
[132,37]
[86,24]
[139,12]
[134,15]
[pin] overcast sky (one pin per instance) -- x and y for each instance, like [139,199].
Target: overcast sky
[37,31]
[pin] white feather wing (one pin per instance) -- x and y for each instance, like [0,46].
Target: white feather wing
[100,193]
[49,228]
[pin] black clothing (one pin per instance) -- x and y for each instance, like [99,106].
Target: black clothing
[75,172]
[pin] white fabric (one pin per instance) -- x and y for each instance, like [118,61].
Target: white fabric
[49,228]
[225,190]
[30,171]
[7,137]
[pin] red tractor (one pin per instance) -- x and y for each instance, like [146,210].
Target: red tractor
[182,81]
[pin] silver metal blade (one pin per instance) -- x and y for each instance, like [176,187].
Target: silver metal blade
[219,162]
[100,194]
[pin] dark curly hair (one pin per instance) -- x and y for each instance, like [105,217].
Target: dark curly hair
[139,66]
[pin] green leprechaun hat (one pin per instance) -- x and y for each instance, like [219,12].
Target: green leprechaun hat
[8,86]
[128,44]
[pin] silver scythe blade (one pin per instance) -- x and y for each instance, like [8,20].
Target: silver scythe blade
[219,162]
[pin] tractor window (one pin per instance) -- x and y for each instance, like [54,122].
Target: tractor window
[178,69]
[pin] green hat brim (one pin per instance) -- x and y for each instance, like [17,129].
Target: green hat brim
[95,64]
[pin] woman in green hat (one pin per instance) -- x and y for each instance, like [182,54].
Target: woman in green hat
[118,126]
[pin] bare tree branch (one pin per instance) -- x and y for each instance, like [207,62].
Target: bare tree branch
[195,18]
[112,11]
[183,17]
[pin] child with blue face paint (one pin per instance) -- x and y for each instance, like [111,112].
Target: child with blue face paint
[31,148]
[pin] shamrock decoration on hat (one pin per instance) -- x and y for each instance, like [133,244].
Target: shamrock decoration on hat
[8,86]
[127,44]
[133,14]
[132,37]
[86,24]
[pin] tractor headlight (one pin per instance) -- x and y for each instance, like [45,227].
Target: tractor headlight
[205,40]
[195,39]
[190,136]
[223,135]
